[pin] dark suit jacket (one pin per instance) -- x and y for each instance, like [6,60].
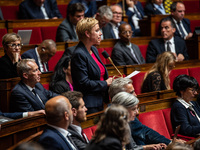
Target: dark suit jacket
[69,50]
[51,139]
[121,55]
[1,15]
[136,32]
[190,125]
[92,7]
[144,135]
[77,138]
[15,115]
[32,54]
[86,76]
[23,100]
[60,87]
[8,69]
[65,32]
[108,32]
[108,143]
[150,9]
[157,46]
[29,10]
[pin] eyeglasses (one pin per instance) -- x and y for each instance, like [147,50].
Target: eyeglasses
[15,45]
[127,32]
[117,13]
[193,89]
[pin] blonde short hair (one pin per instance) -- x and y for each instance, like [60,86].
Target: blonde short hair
[10,37]
[85,24]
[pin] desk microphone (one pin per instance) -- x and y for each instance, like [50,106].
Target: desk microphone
[106,55]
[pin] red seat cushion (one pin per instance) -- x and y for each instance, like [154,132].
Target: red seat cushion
[174,73]
[63,10]
[109,51]
[195,72]
[192,6]
[10,12]
[100,50]
[90,131]
[143,49]
[2,33]
[193,24]
[54,60]
[46,86]
[156,121]
[48,33]
[166,113]
[36,36]
[137,82]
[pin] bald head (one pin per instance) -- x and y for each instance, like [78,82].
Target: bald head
[58,111]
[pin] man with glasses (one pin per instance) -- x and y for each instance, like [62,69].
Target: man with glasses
[125,52]
[12,47]
[111,29]
[42,54]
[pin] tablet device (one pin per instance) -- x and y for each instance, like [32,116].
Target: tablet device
[25,35]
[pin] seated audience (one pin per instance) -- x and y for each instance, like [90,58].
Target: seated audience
[90,6]
[135,12]
[155,7]
[124,52]
[12,47]
[111,30]
[157,78]
[67,29]
[61,80]
[141,134]
[59,117]
[89,74]
[29,94]
[185,111]
[183,29]
[178,146]
[168,42]
[79,112]
[113,131]
[39,9]
[17,115]
[130,102]
[42,54]
[104,15]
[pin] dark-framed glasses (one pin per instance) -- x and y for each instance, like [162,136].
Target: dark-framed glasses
[15,45]
[127,32]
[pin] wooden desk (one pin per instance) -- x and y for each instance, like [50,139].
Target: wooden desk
[2,24]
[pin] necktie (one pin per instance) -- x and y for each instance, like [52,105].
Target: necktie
[137,13]
[44,68]
[134,56]
[167,4]
[168,47]
[37,99]
[84,136]
[181,30]
[71,142]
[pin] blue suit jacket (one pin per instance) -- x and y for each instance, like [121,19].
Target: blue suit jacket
[150,9]
[23,100]
[15,115]
[29,10]
[157,46]
[144,135]
[92,7]
[32,54]
[86,76]
[190,125]
[51,139]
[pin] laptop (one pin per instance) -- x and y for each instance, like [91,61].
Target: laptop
[25,35]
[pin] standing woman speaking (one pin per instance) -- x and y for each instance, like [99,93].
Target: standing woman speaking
[89,74]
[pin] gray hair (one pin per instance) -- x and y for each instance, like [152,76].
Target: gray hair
[105,11]
[125,99]
[22,66]
[118,85]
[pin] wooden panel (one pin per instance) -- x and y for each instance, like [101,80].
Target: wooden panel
[2,24]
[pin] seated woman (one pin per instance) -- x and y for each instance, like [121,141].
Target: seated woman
[8,63]
[184,111]
[113,131]
[154,7]
[157,78]
[61,80]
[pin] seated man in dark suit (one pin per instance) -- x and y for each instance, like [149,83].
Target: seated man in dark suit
[42,54]
[155,7]
[182,24]
[111,30]
[125,52]
[29,94]
[168,42]
[135,12]
[39,9]
[59,116]
[67,29]
[79,116]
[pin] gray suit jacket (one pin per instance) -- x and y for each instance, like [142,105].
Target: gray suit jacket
[66,32]
[121,55]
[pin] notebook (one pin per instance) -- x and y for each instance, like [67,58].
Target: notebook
[4,119]
[25,35]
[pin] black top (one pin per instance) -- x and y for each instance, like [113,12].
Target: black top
[60,87]
[153,82]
